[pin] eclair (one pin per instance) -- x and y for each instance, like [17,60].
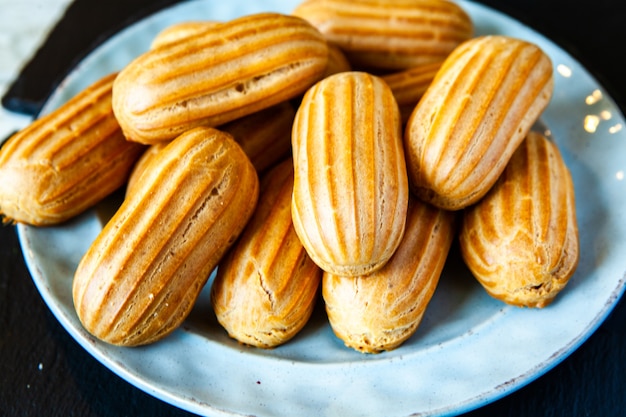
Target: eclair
[521,240]
[483,101]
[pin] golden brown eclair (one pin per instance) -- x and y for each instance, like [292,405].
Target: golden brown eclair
[142,275]
[266,287]
[66,161]
[389,35]
[350,183]
[521,240]
[480,106]
[382,310]
[229,71]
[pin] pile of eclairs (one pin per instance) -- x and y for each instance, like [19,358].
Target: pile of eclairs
[337,151]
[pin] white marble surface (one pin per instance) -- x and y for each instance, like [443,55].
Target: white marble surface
[24,25]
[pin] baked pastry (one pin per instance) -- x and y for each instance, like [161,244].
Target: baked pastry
[350,184]
[382,310]
[521,240]
[475,113]
[267,286]
[66,161]
[337,61]
[228,71]
[389,35]
[141,276]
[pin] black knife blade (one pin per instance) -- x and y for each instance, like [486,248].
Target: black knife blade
[84,25]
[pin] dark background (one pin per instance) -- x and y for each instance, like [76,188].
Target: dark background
[44,372]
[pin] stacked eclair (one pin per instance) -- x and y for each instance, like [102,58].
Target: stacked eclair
[338,151]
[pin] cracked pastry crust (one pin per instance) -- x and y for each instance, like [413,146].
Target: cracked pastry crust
[521,240]
[266,287]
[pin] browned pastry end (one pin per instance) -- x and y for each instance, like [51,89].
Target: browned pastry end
[66,161]
[409,86]
[337,61]
[140,166]
[265,136]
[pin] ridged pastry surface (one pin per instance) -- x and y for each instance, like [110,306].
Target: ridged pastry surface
[65,161]
[141,276]
[382,310]
[267,286]
[350,184]
[230,70]
[478,109]
[521,240]
[389,35]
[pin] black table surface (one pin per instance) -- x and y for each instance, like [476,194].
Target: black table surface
[44,372]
